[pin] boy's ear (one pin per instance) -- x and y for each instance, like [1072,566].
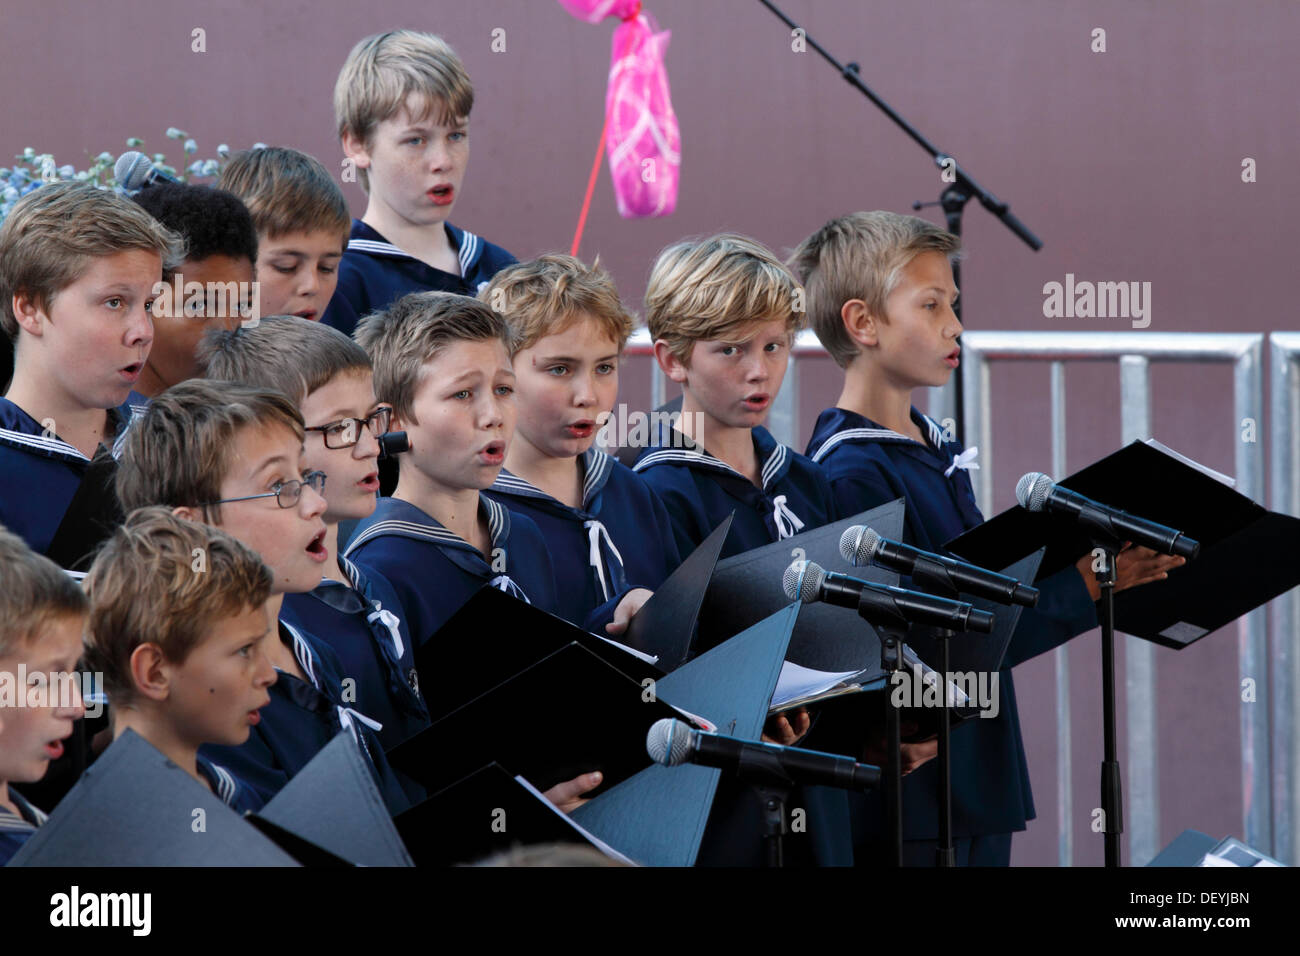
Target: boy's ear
[355,149]
[672,366]
[188,513]
[860,323]
[28,313]
[149,672]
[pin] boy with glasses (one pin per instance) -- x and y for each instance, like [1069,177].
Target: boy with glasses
[358,613]
[231,456]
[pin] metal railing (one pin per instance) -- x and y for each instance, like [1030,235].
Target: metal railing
[1269,739]
[1284,458]
[1135,351]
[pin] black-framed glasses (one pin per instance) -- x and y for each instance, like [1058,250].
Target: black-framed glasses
[285,493]
[346,432]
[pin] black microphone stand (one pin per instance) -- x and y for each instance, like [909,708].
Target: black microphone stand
[1097,524]
[961,187]
[891,628]
[934,578]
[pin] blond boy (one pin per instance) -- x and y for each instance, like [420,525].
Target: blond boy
[402,105]
[78,272]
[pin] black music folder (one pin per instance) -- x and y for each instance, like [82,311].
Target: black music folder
[495,636]
[665,625]
[747,588]
[1247,555]
[568,713]
[488,812]
[658,817]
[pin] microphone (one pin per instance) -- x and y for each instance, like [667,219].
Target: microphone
[1037,492]
[807,582]
[135,171]
[862,545]
[672,743]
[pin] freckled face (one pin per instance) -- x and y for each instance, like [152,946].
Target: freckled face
[465,408]
[566,382]
[734,383]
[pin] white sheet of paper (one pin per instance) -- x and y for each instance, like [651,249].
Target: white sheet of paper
[1218,476]
[798,681]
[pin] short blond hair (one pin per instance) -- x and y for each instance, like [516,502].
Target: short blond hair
[384,70]
[52,232]
[284,352]
[861,256]
[34,591]
[405,337]
[147,587]
[548,294]
[286,192]
[179,451]
[712,288]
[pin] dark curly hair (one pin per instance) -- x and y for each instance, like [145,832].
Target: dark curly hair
[212,221]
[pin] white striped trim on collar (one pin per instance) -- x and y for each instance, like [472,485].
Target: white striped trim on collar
[773,464]
[41,442]
[375,246]
[496,519]
[302,651]
[120,441]
[9,821]
[936,433]
[469,249]
[509,484]
[405,528]
[59,445]
[688,456]
[350,571]
[856,434]
[467,255]
[599,465]
[226,786]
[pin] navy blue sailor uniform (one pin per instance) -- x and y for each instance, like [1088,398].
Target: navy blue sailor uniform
[40,473]
[232,791]
[618,539]
[374,273]
[63,505]
[699,491]
[302,717]
[434,571]
[869,465]
[364,623]
[17,830]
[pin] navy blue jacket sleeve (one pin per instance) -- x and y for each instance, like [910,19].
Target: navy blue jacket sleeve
[1065,609]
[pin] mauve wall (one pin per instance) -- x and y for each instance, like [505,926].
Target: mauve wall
[1126,163]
